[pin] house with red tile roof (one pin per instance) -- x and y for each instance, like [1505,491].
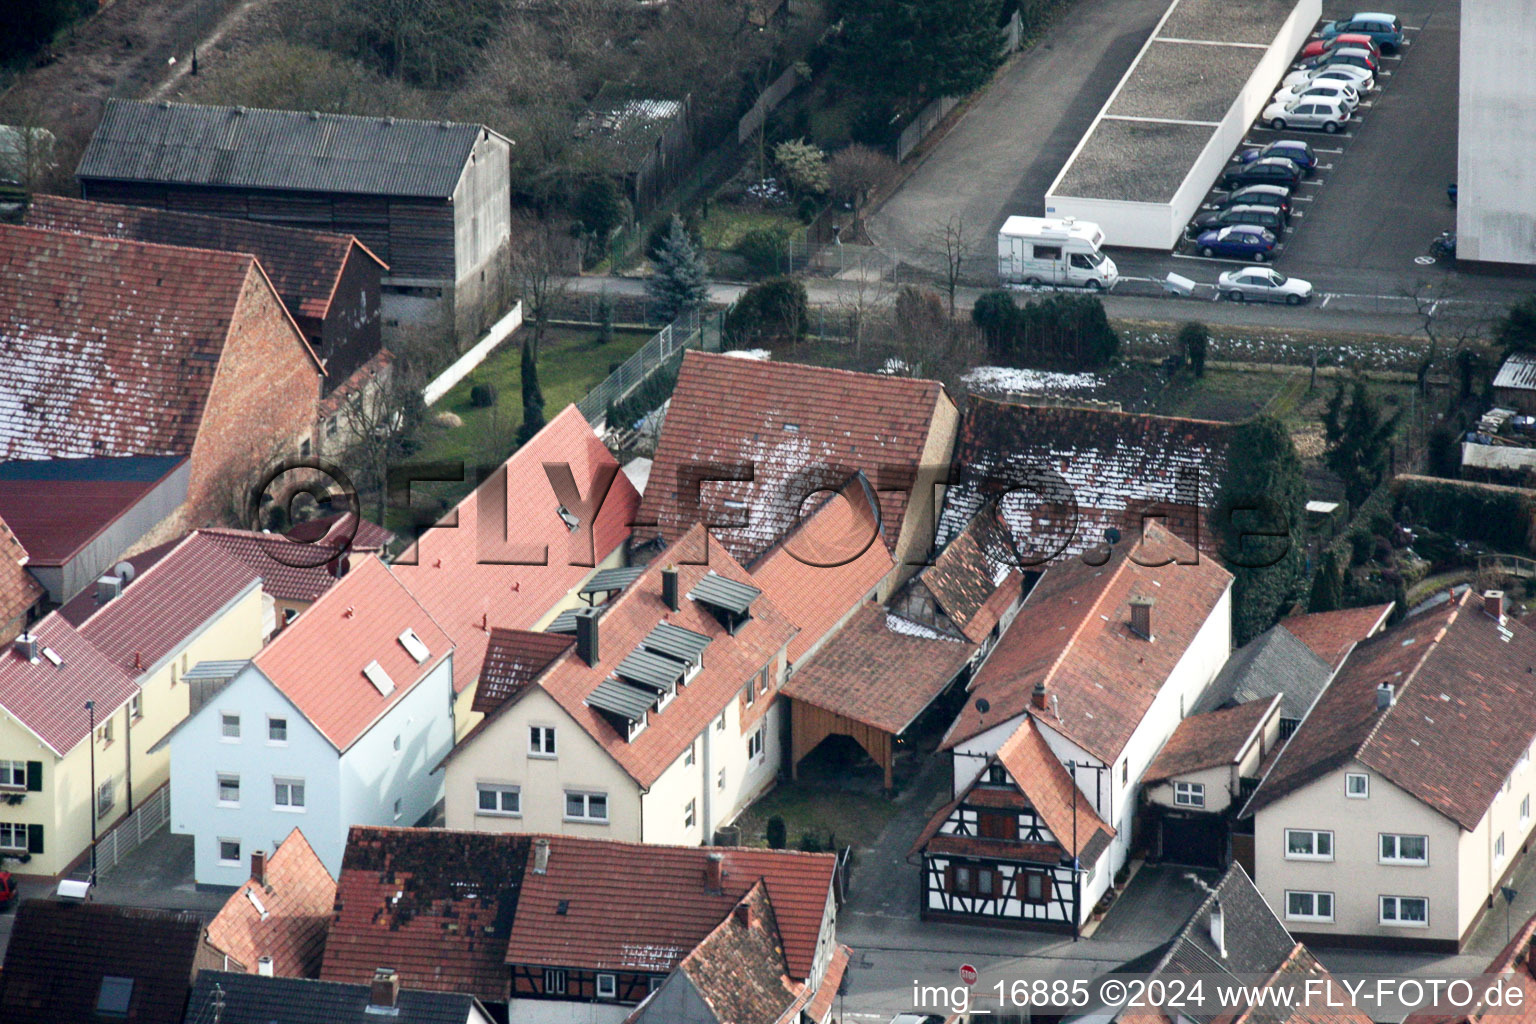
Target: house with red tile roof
[659,723]
[328,282]
[518,551]
[1109,652]
[20,592]
[1403,801]
[126,348]
[563,928]
[747,443]
[339,720]
[1332,635]
[276,922]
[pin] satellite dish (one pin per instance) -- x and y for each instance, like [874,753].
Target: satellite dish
[125,571]
[983,705]
[1112,535]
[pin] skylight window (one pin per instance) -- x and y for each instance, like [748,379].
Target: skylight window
[413,645]
[379,678]
[114,997]
[53,656]
[568,518]
[261,908]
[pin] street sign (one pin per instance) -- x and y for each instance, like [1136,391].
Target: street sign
[968,974]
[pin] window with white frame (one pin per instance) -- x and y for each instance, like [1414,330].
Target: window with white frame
[1357,786]
[749,695]
[104,733]
[720,723]
[1399,849]
[607,986]
[229,725]
[554,981]
[497,799]
[229,851]
[755,745]
[106,798]
[136,706]
[1308,844]
[13,774]
[541,741]
[691,754]
[397,808]
[1405,911]
[229,790]
[1308,906]
[1525,809]
[720,779]
[1498,849]
[13,836]
[583,806]
[288,794]
[1189,794]
[764,680]
[277,729]
[1524,762]
[690,813]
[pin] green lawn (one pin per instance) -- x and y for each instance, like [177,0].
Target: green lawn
[850,819]
[727,223]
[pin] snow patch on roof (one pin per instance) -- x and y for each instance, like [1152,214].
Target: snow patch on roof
[1016,379]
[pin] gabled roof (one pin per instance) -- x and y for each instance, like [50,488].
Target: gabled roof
[1515,969]
[1274,662]
[1084,471]
[19,591]
[435,905]
[738,970]
[239,147]
[85,604]
[58,506]
[1331,635]
[1211,739]
[249,999]
[320,661]
[168,603]
[1517,371]
[304,266]
[285,918]
[640,907]
[1464,713]
[799,429]
[336,529]
[728,662]
[113,345]
[1073,633]
[973,571]
[60,952]
[49,699]
[467,569]
[826,566]
[290,570]
[513,660]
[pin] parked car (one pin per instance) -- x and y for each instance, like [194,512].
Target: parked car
[1273,170]
[1324,90]
[1244,241]
[1321,112]
[1360,78]
[1263,216]
[1294,150]
[8,890]
[1348,56]
[1276,196]
[1355,39]
[1384,28]
[1262,284]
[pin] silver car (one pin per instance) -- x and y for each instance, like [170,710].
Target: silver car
[1329,114]
[1263,285]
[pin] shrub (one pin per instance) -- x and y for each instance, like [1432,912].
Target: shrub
[856,170]
[1194,341]
[649,396]
[482,396]
[803,166]
[600,207]
[764,250]
[771,311]
[996,315]
[810,842]
[777,835]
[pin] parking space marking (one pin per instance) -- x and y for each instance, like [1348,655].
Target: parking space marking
[1316,149]
[1324,167]
[1216,259]
[1301,199]
[1325,300]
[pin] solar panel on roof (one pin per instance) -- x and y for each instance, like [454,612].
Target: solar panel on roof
[656,671]
[723,593]
[676,642]
[612,579]
[620,698]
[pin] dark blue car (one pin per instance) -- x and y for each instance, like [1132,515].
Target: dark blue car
[1299,153]
[1243,241]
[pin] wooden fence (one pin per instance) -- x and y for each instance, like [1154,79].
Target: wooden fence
[771,97]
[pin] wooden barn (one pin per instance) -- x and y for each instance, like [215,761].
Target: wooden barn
[430,198]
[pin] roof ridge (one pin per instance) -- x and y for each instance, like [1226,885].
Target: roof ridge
[149,572]
[1409,679]
[48,199]
[233,255]
[1066,648]
[697,354]
[1069,409]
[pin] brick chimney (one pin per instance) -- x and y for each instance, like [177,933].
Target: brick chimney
[1037,698]
[743,913]
[586,635]
[1493,603]
[1141,617]
[259,867]
[541,856]
[714,872]
[384,993]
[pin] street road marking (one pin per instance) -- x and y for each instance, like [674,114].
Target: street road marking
[1317,150]
[1325,301]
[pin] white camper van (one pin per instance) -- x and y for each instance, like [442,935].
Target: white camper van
[1040,250]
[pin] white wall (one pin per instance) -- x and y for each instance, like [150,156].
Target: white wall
[374,774]
[1134,225]
[1495,212]
[558,1011]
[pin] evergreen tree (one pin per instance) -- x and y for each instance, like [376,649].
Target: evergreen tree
[771,311]
[533,397]
[998,318]
[1194,341]
[1327,584]
[1517,329]
[1359,436]
[681,281]
[600,206]
[1259,524]
[928,48]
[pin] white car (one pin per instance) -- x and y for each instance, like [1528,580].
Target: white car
[1330,90]
[1328,114]
[1360,78]
[1263,285]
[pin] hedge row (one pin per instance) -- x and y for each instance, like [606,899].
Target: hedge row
[1500,517]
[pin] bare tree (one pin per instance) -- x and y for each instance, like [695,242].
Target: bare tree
[1448,324]
[952,242]
[858,170]
[860,296]
[540,265]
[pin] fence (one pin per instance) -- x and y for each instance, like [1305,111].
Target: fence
[847,261]
[684,332]
[152,815]
[926,121]
[769,98]
[500,331]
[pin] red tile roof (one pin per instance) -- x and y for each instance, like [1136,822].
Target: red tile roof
[49,699]
[59,517]
[305,266]
[976,576]
[1211,739]
[738,969]
[825,568]
[358,381]
[1513,970]
[1074,634]
[513,660]
[433,904]
[114,343]
[84,604]
[728,663]
[289,570]
[459,570]
[318,661]
[799,428]
[167,604]
[1464,714]
[820,1004]
[289,925]
[642,907]
[19,591]
[1331,635]
[343,529]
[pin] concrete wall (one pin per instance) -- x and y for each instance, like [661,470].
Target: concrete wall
[98,556]
[1495,179]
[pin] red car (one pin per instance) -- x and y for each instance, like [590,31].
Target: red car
[1318,47]
[8,890]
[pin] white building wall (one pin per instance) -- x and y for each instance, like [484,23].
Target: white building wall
[557,1011]
[1495,179]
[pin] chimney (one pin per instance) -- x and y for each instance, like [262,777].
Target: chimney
[586,635]
[669,586]
[28,646]
[108,587]
[1219,929]
[1385,696]
[1141,617]
[259,867]
[1038,697]
[1493,603]
[714,872]
[541,856]
[264,966]
[743,914]
[385,991]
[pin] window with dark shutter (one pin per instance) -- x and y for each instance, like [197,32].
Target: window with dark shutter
[34,839]
[34,776]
